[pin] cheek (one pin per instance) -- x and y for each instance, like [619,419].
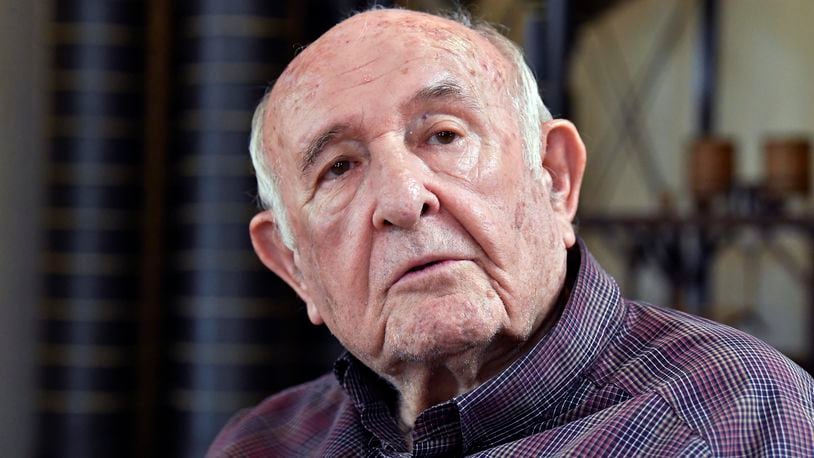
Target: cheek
[337,243]
[464,164]
[326,289]
[501,163]
[329,220]
[536,214]
[330,203]
[532,221]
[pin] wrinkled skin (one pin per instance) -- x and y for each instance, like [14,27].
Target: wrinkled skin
[432,181]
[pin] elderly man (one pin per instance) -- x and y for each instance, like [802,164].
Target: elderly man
[420,201]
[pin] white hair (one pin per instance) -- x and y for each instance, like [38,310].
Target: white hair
[525,96]
[268,183]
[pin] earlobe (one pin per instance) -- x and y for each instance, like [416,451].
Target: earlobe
[275,255]
[564,158]
[313,314]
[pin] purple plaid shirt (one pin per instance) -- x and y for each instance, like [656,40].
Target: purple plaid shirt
[612,378]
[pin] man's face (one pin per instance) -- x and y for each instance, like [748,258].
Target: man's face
[420,232]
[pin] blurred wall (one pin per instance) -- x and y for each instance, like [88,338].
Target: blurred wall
[766,71]
[767,74]
[22,96]
[767,89]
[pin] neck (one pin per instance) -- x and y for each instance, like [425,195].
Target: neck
[422,385]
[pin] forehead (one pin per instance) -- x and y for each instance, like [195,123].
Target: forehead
[383,53]
[392,32]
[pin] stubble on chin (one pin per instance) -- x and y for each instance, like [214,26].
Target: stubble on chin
[449,327]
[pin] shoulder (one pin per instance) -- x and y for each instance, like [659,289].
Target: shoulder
[291,421]
[696,345]
[735,390]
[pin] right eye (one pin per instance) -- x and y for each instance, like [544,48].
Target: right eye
[338,168]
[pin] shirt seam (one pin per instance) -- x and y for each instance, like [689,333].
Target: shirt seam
[700,435]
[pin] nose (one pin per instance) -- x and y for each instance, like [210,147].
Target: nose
[402,197]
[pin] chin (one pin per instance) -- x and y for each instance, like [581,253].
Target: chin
[439,344]
[438,329]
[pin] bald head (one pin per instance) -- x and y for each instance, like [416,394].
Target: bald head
[338,50]
[346,48]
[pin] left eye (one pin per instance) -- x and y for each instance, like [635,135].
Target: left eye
[444,137]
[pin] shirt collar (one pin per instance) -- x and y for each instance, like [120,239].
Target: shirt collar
[527,389]
[374,398]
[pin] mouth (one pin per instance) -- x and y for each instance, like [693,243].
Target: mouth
[423,267]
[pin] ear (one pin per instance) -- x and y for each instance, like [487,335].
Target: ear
[563,157]
[269,246]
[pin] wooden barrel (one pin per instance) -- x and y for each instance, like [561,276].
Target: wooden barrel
[787,166]
[712,163]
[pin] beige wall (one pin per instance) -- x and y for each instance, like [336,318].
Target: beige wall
[767,74]
[766,87]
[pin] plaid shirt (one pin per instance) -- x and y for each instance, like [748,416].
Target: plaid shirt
[611,378]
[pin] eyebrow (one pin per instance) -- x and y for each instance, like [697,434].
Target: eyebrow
[444,89]
[317,145]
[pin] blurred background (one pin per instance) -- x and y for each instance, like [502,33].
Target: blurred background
[134,317]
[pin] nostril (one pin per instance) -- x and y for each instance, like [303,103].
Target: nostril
[424,209]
